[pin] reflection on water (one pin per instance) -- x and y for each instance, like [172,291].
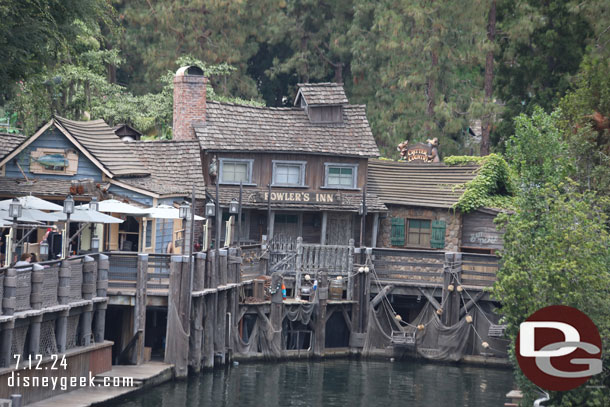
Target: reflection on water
[334,383]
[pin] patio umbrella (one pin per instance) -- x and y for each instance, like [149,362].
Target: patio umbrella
[87,216]
[166,212]
[114,206]
[31,202]
[30,215]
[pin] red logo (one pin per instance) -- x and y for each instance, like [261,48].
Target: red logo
[559,348]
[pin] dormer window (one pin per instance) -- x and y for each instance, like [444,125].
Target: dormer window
[323,102]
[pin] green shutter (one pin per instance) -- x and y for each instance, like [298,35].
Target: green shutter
[437,240]
[397,233]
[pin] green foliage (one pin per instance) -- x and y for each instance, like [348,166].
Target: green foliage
[556,246]
[585,124]
[492,187]
[39,34]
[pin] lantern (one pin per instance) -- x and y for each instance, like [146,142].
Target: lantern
[69,205]
[184,211]
[44,248]
[234,206]
[210,210]
[95,243]
[15,209]
[94,205]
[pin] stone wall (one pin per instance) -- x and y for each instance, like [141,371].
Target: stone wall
[452,219]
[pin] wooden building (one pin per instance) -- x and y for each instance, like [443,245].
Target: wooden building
[314,156]
[87,159]
[420,199]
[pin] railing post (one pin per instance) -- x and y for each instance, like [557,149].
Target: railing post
[36,294]
[65,273]
[320,322]
[139,326]
[211,276]
[102,288]
[89,283]
[9,300]
[222,265]
[298,266]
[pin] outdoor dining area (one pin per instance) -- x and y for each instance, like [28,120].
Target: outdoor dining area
[45,230]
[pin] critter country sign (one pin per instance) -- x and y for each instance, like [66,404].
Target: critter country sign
[559,348]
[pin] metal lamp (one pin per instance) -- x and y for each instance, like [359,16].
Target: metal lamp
[210,209]
[69,205]
[234,207]
[44,248]
[95,243]
[184,211]
[15,210]
[94,205]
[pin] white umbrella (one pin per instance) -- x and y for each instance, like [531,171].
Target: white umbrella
[114,206]
[31,202]
[167,212]
[87,216]
[30,215]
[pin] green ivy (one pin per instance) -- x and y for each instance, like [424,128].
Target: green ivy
[492,187]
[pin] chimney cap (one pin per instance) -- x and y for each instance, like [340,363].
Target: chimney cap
[189,71]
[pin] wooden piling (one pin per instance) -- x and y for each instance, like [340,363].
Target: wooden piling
[208,330]
[199,272]
[320,321]
[276,312]
[178,316]
[139,325]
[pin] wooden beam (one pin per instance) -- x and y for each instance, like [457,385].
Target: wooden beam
[385,291]
[430,298]
[471,302]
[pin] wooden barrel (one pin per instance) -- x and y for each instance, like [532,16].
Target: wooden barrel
[335,291]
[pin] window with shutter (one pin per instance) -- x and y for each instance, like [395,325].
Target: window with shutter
[437,241]
[397,233]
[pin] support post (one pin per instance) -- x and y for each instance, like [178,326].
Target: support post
[320,322]
[323,228]
[6,340]
[350,270]
[89,283]
[451,299]
[196,339]
[208,330]
[34,332]
[199,272]
[221,326]
[222,265]
[100,323]
[61,330]
[139,326]
[178,315]
[276,312]
[86,328]
[9,298]
[298,266]
[103,265]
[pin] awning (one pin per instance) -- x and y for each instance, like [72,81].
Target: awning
[114,206]
[166,212]
[30,215]
[31,202]
[87,216]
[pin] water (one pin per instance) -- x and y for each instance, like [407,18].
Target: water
[334,383]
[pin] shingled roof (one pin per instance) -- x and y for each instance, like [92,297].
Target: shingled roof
[60,188]
[249,128]
[174,166]
[428,185]
[321,94]
[8,142]
[100,140]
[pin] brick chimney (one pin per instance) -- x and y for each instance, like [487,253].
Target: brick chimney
[189,102]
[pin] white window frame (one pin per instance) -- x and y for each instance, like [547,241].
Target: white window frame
[222,162]
[301,164]
[354,168]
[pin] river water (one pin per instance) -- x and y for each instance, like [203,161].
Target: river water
[332,383]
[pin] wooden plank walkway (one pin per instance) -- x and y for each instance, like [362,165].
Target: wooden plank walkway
[145,375]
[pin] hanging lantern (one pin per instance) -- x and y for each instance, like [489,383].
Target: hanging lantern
[233,206]
[210,210]
[459,288]
[469,319]
[184,210]
[450,287]
[439,311]
[44,248]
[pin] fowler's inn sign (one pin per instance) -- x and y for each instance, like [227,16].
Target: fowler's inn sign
[298,196]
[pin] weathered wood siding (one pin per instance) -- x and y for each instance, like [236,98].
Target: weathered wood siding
[262,167]
[54,139]
[479,231]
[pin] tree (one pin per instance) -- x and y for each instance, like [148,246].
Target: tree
[418,67]
[556,246]
[38,34]
[542,44]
